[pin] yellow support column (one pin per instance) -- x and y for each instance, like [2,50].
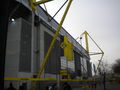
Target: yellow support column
[32,5]
[68,49]
[86,40]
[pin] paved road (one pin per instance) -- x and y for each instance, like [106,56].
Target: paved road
[109,86]
[113,87]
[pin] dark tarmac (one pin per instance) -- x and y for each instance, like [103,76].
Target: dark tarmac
[109,86]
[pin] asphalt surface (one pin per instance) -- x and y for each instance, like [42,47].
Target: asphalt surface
[109,86]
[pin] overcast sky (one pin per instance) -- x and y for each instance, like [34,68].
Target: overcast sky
[100,18]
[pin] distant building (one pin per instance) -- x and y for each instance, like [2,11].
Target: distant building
[26,48]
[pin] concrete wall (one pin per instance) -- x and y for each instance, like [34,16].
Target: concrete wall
[12,62]
[13,49]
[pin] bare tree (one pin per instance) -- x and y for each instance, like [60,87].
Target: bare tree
[116,67]
[105,66]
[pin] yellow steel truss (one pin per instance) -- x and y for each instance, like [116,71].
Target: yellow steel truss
[87,47]
[33,4]
[87,44]
[54,39]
